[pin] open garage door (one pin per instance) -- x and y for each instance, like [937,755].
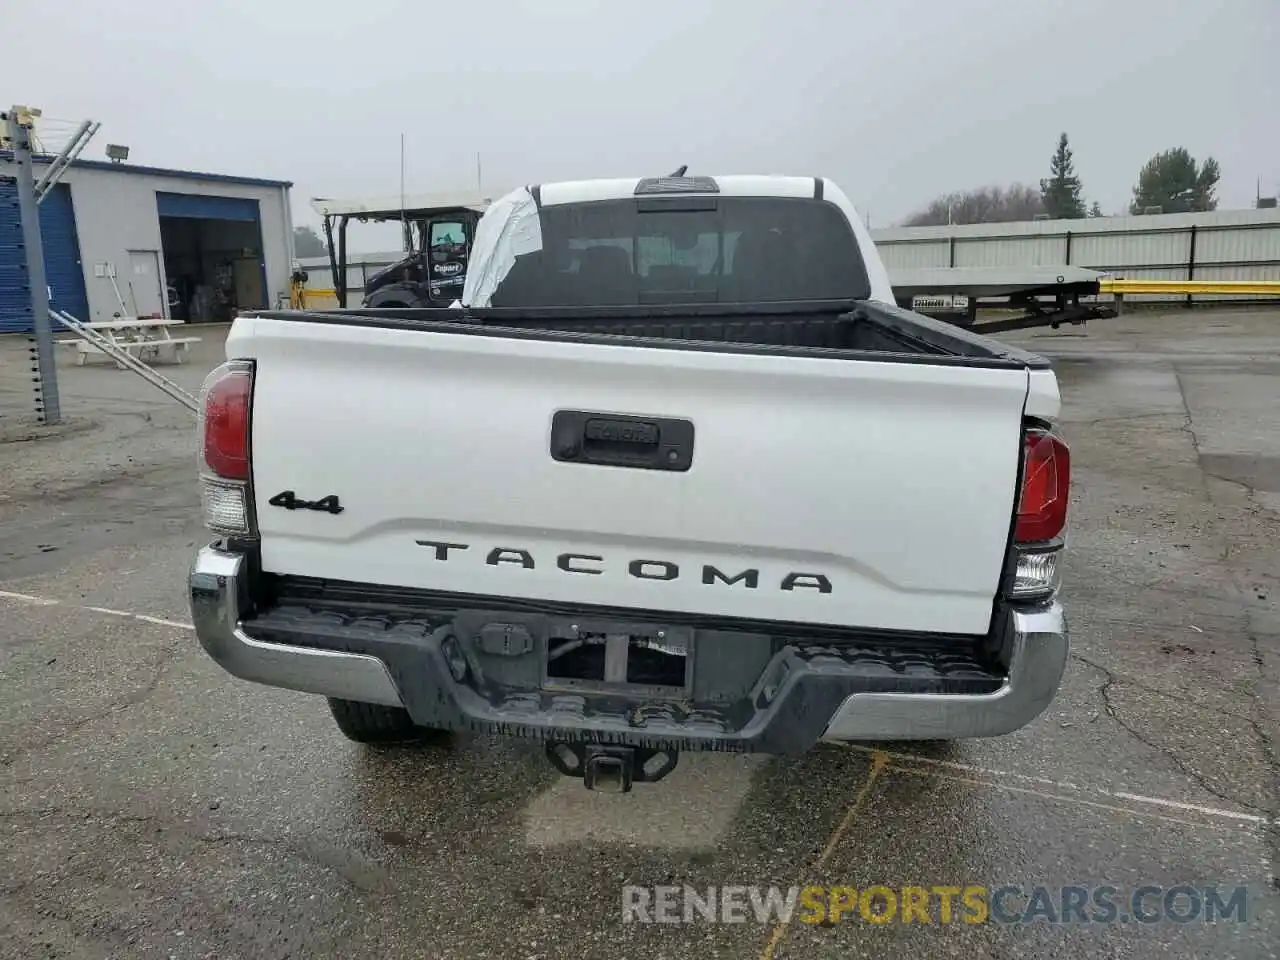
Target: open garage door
[213,256]
[63,270]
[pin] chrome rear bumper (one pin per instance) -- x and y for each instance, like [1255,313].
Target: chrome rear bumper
[1038,660]
[1038,654]
[218,597]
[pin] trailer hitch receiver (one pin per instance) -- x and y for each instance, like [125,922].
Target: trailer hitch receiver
[608,768]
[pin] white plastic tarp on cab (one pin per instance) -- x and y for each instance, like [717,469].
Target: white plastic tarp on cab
[509,229]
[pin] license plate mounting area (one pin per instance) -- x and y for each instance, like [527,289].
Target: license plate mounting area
[635,659]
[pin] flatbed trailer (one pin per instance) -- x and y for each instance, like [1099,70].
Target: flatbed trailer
[1044,296]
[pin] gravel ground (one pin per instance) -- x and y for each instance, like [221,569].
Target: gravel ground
[152,806]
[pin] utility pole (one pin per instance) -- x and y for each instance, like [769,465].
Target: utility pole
[19,121]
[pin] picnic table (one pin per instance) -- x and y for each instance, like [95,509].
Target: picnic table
[148,336]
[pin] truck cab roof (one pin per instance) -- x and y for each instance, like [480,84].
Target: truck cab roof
[618,188]
[514,225]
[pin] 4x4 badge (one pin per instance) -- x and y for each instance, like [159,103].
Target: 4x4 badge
[289,500]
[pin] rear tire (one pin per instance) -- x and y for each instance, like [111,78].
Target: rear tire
[374,723]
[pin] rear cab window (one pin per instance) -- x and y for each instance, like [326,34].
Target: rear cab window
[723,249]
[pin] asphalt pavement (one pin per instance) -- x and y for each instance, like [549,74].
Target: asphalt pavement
[152,806]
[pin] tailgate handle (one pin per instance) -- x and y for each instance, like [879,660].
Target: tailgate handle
[620,440]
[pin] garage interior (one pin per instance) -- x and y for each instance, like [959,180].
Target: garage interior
[213,258]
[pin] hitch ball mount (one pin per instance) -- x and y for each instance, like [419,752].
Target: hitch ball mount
[609,768]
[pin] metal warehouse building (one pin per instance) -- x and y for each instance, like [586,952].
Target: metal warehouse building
[144,241]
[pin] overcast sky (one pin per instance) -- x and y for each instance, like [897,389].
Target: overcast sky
[897,101]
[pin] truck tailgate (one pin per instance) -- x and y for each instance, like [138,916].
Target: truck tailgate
[866,493]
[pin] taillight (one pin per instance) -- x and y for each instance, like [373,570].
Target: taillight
[225,472]
[225,417]
[1046,477]
[1042,514]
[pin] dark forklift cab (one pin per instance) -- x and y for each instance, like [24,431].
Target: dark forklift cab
[437,235]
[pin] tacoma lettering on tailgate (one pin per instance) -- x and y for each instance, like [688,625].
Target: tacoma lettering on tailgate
[641,569]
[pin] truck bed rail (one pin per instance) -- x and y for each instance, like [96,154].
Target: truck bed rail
[854,329]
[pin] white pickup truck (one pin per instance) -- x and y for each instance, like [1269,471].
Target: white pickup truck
[675,474]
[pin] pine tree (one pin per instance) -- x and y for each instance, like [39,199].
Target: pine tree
[1061,192]
[1173,182]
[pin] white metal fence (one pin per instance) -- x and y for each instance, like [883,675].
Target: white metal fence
[1220,245]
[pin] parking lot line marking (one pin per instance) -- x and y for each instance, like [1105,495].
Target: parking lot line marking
[879,762]
[1197,808]
[141,616]
[108,611]
[1043,795]
[163,622]
[26,598]
[1067,785]
[957,765]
